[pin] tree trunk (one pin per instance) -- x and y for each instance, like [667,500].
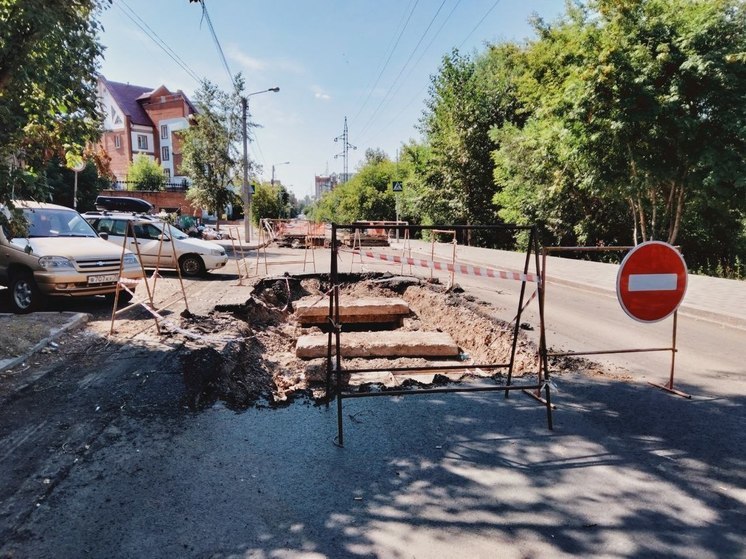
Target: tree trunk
[678,215]
[634,220]
[643,224]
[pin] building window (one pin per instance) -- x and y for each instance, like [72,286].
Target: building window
[142,141]
[165,153]
[117,142]
[167,174]
[164,131]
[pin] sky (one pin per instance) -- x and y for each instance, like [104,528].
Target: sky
[369,61]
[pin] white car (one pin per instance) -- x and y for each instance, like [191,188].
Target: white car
[152,234]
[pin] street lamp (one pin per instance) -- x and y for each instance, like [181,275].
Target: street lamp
[273,170]
[77,168]
[245,190]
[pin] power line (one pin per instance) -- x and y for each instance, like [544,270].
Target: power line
[409,59]
[424,52]
[480,23]
[206,15]
[385,65]
[421,91]
[153,36]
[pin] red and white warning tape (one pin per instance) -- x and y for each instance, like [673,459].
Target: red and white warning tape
[466,269]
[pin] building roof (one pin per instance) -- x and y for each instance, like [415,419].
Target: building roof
[130,99]
[126,96]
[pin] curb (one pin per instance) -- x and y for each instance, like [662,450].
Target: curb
[75,321]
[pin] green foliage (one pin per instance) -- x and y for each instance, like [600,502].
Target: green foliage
[366,196]
[49,55]
[61,182]
[634,127]
[210,156]
[467,98]
[145,173]
[269,202]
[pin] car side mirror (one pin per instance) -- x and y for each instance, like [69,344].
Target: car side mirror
[164,238]
[104,235]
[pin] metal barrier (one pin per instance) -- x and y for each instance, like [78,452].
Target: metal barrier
[334,360]
[669,386]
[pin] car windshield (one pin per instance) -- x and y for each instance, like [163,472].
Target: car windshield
[177,234]
[53,222]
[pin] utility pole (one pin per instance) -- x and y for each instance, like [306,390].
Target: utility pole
[245,192]
[346,145]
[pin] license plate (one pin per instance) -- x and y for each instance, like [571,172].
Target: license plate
[104,278]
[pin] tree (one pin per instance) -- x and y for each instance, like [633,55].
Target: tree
[467,98]
[210,156]
[636,119]
[267,201]
[49,56]
[145,173]
[366,196]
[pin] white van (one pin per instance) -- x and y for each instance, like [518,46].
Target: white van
[194,256]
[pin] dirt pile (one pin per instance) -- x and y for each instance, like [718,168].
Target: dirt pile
[259,361]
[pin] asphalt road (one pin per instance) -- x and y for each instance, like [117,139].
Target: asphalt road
[100,458]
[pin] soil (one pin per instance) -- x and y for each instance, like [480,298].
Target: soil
[243,354]
[259,363]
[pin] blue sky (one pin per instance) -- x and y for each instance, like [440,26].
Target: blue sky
[369,61]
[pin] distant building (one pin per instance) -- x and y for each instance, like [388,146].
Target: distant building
[143,120]
[325,183]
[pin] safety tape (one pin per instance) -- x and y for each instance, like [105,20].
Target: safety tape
[465,269]
[523,308]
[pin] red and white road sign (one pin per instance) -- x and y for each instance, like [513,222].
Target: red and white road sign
[651,281]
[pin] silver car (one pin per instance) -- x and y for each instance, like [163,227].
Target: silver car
[61,256]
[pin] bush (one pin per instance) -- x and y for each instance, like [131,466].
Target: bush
[145,174]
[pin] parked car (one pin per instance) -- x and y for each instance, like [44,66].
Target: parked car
[150,234]
[61,255]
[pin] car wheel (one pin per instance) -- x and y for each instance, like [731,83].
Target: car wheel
[24,293]
[191,265]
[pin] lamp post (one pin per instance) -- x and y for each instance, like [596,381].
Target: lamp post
[273,170]
[77,168]
[245,190]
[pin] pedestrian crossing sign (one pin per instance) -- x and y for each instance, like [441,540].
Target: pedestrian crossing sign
[397,186]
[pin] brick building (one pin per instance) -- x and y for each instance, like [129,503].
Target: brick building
[143,120]
[325,183]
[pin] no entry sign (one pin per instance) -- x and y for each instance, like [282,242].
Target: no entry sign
[651,281]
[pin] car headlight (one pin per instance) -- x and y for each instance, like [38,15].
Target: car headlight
[55,262]
[217,252]
[131,259]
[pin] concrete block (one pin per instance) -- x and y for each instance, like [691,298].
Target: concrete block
[381,344]
[352,311]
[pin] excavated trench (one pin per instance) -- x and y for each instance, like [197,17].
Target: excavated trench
[261,365]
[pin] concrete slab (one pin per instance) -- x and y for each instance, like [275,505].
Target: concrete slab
[353,310]
[381,344]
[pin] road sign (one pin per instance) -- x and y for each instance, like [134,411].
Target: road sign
[397,186]
[651,281]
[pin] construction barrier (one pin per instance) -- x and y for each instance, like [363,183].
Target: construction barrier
[669,386]
[334,362]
